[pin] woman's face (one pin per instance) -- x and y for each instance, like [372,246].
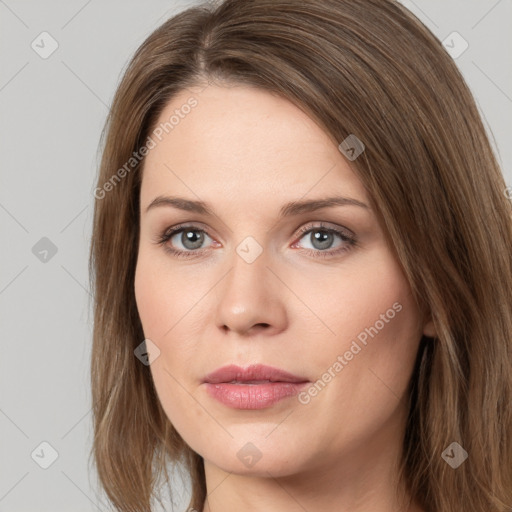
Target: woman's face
[264,275]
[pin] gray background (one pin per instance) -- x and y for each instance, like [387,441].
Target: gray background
[52,112]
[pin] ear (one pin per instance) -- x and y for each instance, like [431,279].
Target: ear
[429,329]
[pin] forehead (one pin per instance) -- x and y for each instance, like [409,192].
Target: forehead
[246,142]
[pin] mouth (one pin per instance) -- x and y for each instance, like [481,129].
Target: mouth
[253,374]
[253,387]
[251,382]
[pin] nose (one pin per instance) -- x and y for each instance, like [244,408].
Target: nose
[251,298]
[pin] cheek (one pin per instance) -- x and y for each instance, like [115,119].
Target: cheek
[368,291]
[389,327]
[375,320]
[160,310]
[156,297]
[365,369]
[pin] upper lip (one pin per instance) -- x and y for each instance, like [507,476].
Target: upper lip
[254,373]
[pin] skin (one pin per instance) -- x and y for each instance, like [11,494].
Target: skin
[247,152]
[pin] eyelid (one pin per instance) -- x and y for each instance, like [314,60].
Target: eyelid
[172,231]
[349,239]
[326,226]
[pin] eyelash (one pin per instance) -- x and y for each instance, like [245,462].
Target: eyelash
[166,235]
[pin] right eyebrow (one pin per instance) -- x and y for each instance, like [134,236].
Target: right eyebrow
[181,204]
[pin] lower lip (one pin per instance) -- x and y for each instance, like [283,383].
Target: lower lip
[253,396]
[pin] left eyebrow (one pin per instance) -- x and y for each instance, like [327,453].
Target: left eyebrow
[288,210]
[311,205]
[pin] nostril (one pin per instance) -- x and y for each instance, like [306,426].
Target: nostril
[256,327]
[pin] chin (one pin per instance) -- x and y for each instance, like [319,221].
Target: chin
[266,466]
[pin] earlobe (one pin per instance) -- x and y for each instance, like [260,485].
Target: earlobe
[429,330]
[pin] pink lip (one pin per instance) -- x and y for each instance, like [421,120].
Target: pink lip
[254,387]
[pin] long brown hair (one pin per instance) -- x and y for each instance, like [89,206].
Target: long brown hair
[432,177]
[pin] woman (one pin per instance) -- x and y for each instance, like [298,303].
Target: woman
[302,270]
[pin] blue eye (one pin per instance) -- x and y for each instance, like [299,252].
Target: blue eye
[191,239]
[321,237]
